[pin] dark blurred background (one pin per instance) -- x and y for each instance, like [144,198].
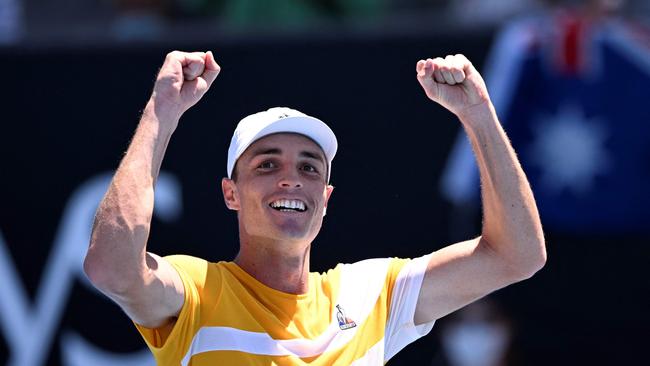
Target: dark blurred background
[570,80]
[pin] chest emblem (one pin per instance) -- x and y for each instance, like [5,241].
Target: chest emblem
[344,321]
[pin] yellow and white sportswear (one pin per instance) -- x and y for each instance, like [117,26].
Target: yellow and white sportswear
[355,314]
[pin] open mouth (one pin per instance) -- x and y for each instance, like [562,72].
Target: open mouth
[288,206]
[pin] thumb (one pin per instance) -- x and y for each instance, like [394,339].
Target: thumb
[212,68]
[426,79]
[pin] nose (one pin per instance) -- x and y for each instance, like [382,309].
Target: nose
[290,179]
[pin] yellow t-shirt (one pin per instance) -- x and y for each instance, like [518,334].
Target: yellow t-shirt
[355,314]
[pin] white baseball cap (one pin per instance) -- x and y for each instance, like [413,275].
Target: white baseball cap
[276,120]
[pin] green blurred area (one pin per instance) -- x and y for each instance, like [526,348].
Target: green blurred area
[283,13]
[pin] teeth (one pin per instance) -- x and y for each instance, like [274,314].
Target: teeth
[289,204]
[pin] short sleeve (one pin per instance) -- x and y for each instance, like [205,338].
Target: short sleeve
[406,277]
[169,342]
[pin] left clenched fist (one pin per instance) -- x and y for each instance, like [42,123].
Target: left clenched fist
[454,83]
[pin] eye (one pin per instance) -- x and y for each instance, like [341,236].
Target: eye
[267,165]
[309,168]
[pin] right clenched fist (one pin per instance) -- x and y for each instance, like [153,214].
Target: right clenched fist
[183,79]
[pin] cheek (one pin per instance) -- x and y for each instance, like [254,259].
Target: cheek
[327,193]
[251,196]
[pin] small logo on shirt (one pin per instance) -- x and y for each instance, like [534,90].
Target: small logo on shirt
[344,321]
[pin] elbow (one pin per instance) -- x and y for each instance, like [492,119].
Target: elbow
[112,279]
[115,257]
[92,274]
[531,269]
[519,259]
[95,265]
[97,272]
[538,254]
[532,261]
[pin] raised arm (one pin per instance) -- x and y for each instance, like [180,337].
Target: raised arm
[511,246]
[117,263]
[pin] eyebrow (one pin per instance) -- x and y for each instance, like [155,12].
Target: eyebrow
[276,151]
[312,155]
[264,151]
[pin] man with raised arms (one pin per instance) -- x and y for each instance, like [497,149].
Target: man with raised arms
[265,306]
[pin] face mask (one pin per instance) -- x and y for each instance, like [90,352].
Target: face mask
[475,343]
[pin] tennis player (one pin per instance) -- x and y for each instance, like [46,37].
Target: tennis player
[265,307]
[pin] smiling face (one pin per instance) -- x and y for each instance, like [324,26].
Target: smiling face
[280,190]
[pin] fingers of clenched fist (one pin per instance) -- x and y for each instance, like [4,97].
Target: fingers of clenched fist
[453,83]
[451,70]
[194,65]
[184,78]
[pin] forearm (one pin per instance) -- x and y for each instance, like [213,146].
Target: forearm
[511,224]
[121,228]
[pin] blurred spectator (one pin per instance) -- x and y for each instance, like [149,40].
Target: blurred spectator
[481,13]
[86,21]
[283,14]
[11,21]
[276,14]
[140,20]
[477,335]
[197,8]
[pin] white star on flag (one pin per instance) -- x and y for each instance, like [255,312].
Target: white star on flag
[570,151]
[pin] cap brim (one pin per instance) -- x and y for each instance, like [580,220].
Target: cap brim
[310,127]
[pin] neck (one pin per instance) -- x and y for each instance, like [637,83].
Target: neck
[280,266]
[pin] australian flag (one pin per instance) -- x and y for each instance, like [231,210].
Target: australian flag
[574,97]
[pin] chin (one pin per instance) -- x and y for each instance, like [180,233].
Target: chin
[293,233]
[287,231]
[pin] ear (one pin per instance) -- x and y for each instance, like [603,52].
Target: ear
[328,192]
[230,196]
